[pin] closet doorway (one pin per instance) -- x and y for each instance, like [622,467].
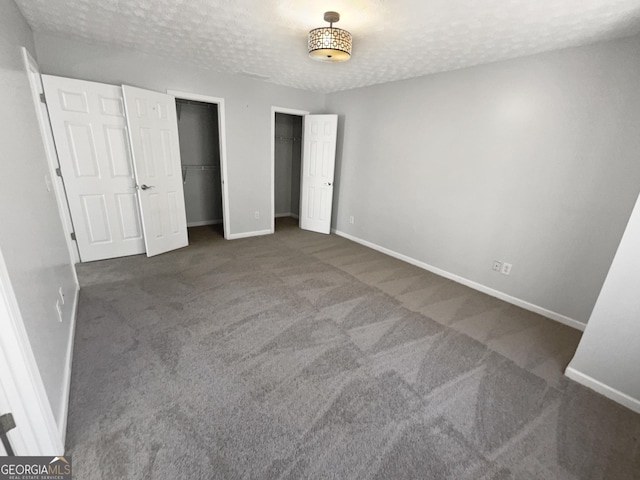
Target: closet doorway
[202,149]
[287,127]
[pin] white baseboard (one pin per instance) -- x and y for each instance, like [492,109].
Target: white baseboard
[570,322]
[235,236]
[203,223]
[280,215]
[64,408]
[609,392]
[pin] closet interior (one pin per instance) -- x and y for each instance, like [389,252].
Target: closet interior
[198,130]
[288,160]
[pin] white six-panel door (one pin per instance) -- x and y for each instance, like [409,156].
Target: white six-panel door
[153,128]
[318,165]
[90,131]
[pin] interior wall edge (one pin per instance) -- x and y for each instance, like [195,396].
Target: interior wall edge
[603,389]
[558,317]
[21,379]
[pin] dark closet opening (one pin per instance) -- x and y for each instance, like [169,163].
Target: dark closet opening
[288,161]
[198,130]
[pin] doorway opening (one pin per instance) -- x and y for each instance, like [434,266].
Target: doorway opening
[287,128]
[287,165]
[201,173]
[201,129]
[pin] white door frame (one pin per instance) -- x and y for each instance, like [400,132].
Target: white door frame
[33,72]
[222,135]
[289,111]
[21,387]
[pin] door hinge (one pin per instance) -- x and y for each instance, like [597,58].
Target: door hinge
[58,172]
[43,99]
[73,236]
[7,423]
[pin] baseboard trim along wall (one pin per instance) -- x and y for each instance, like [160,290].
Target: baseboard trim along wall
[64,409]
[235,236]
[609,392]
[570,322]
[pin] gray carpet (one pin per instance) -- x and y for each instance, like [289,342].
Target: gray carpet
[299,355]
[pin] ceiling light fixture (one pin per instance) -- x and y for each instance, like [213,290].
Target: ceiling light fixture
[328,44]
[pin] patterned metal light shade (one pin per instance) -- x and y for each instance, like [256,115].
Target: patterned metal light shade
[328,44]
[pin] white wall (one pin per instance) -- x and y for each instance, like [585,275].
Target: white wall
[532,161]
[31,237]
[608,357]
[247,103]
[199,145]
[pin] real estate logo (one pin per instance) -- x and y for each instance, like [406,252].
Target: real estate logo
[35,468]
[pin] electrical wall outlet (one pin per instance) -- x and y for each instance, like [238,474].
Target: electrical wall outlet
[497,266]
[506,268]
[256,215]
[351,219]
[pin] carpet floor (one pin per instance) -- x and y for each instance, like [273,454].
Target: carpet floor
[307,356]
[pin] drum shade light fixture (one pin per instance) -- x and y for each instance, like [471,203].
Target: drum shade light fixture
[328,44]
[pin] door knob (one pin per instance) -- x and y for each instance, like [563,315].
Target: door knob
[328,184]
[145,187]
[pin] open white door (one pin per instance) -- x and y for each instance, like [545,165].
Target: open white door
[318,165]
[153,130]
[90,132]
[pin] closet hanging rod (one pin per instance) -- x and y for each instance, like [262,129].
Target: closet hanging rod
[197,168]
[295,139]
[200,167]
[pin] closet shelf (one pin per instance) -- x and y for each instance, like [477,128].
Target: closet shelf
[200,167]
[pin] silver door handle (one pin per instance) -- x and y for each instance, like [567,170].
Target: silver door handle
[145,187]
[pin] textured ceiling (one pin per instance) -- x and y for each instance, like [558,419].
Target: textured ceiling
[393,39]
